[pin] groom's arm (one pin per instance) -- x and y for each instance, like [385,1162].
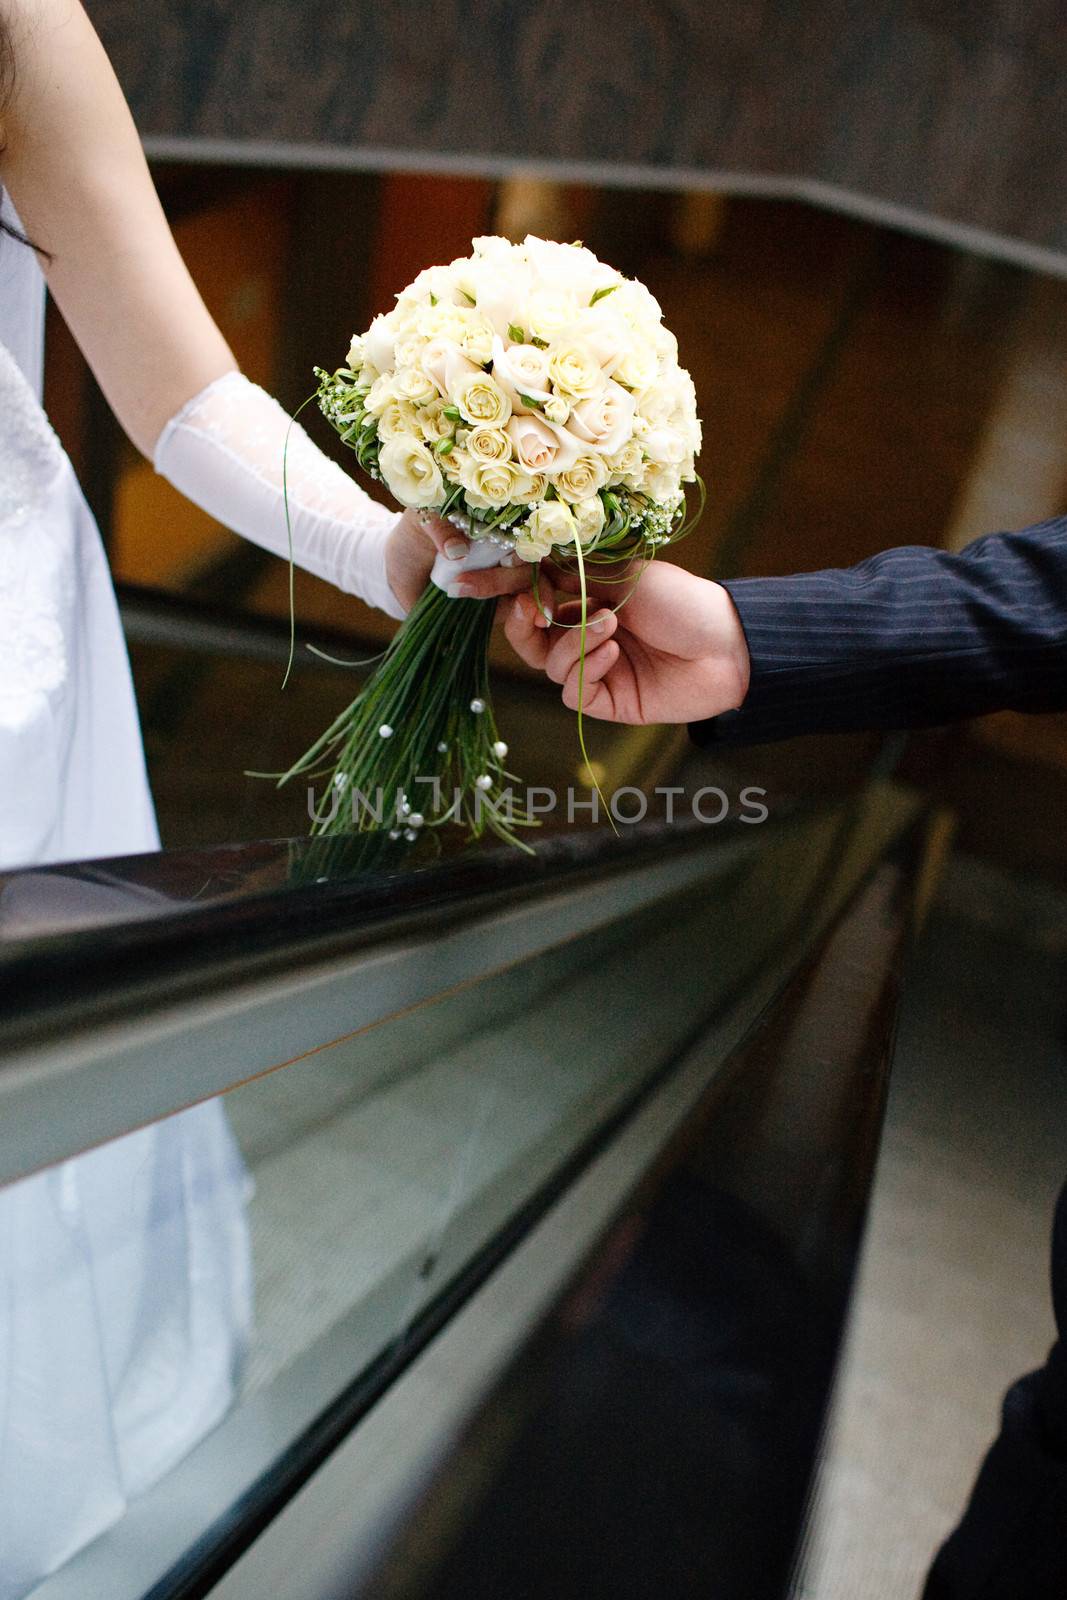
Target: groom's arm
[912,637]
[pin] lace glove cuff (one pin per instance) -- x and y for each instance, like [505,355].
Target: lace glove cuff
[224,450]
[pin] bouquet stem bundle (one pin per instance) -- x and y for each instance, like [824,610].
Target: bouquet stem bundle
[419,746]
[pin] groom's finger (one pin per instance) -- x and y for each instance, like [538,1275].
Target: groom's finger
[597,666]
[567,645]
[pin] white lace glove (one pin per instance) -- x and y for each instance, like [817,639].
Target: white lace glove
[224,450]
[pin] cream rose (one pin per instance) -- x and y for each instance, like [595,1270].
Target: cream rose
[542,446]
[582,480]
[574,370]
[480,398]
[416,385]
[528,488]
[489,444]
[589,518]
[433,424]
[628,464]
[487,484]
[549,523]
[398,419]
[410,473]
[356,353]
[604,421]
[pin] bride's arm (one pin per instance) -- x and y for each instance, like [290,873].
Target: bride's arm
[73,163]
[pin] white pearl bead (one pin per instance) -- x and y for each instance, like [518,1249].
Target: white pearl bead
[385,731]
[442,748]
[415,820]
[500,749]
[484,782]
[477,704]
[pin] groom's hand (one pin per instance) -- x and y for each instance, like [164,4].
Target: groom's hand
[675,651]
[413,544]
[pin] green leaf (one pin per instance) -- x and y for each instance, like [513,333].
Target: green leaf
[433,299]
[471,301]
[602,292]
[542,344]
[528,400]
[445,447]
[516,334]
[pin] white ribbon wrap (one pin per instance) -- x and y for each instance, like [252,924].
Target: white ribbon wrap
[483,553]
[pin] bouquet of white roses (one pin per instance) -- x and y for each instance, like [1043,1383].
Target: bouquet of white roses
[532,395]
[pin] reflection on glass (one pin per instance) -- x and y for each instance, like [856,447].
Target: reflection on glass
[371,1173]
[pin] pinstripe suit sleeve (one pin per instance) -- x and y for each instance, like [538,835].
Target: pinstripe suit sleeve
[912,637]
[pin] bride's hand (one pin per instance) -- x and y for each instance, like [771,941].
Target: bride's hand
[414,543]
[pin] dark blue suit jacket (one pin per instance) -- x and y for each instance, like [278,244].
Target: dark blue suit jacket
[912,637]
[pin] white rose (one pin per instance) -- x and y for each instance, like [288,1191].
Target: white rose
[639,365]
[445,363]
[410,473]
[520,369]
[548,313]
[474,335]
[379,343]
[656,402]
[606,334]
[549,523]
[589,518]
[569,268]
[480,398]
[664,446]
[662,483]
[633,301]
[381,391]
[581,481]
[356,354]
[574,370]
[556,409]
[605,420]
[542,446]
[431,281]
[492,247]
[443,321]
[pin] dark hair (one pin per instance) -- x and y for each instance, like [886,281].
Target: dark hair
[7,84]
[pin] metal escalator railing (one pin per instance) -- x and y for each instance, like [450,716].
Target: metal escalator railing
[422,1070]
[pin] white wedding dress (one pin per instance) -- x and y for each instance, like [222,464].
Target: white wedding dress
[125,1299]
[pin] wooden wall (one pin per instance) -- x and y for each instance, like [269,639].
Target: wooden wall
[952,112]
